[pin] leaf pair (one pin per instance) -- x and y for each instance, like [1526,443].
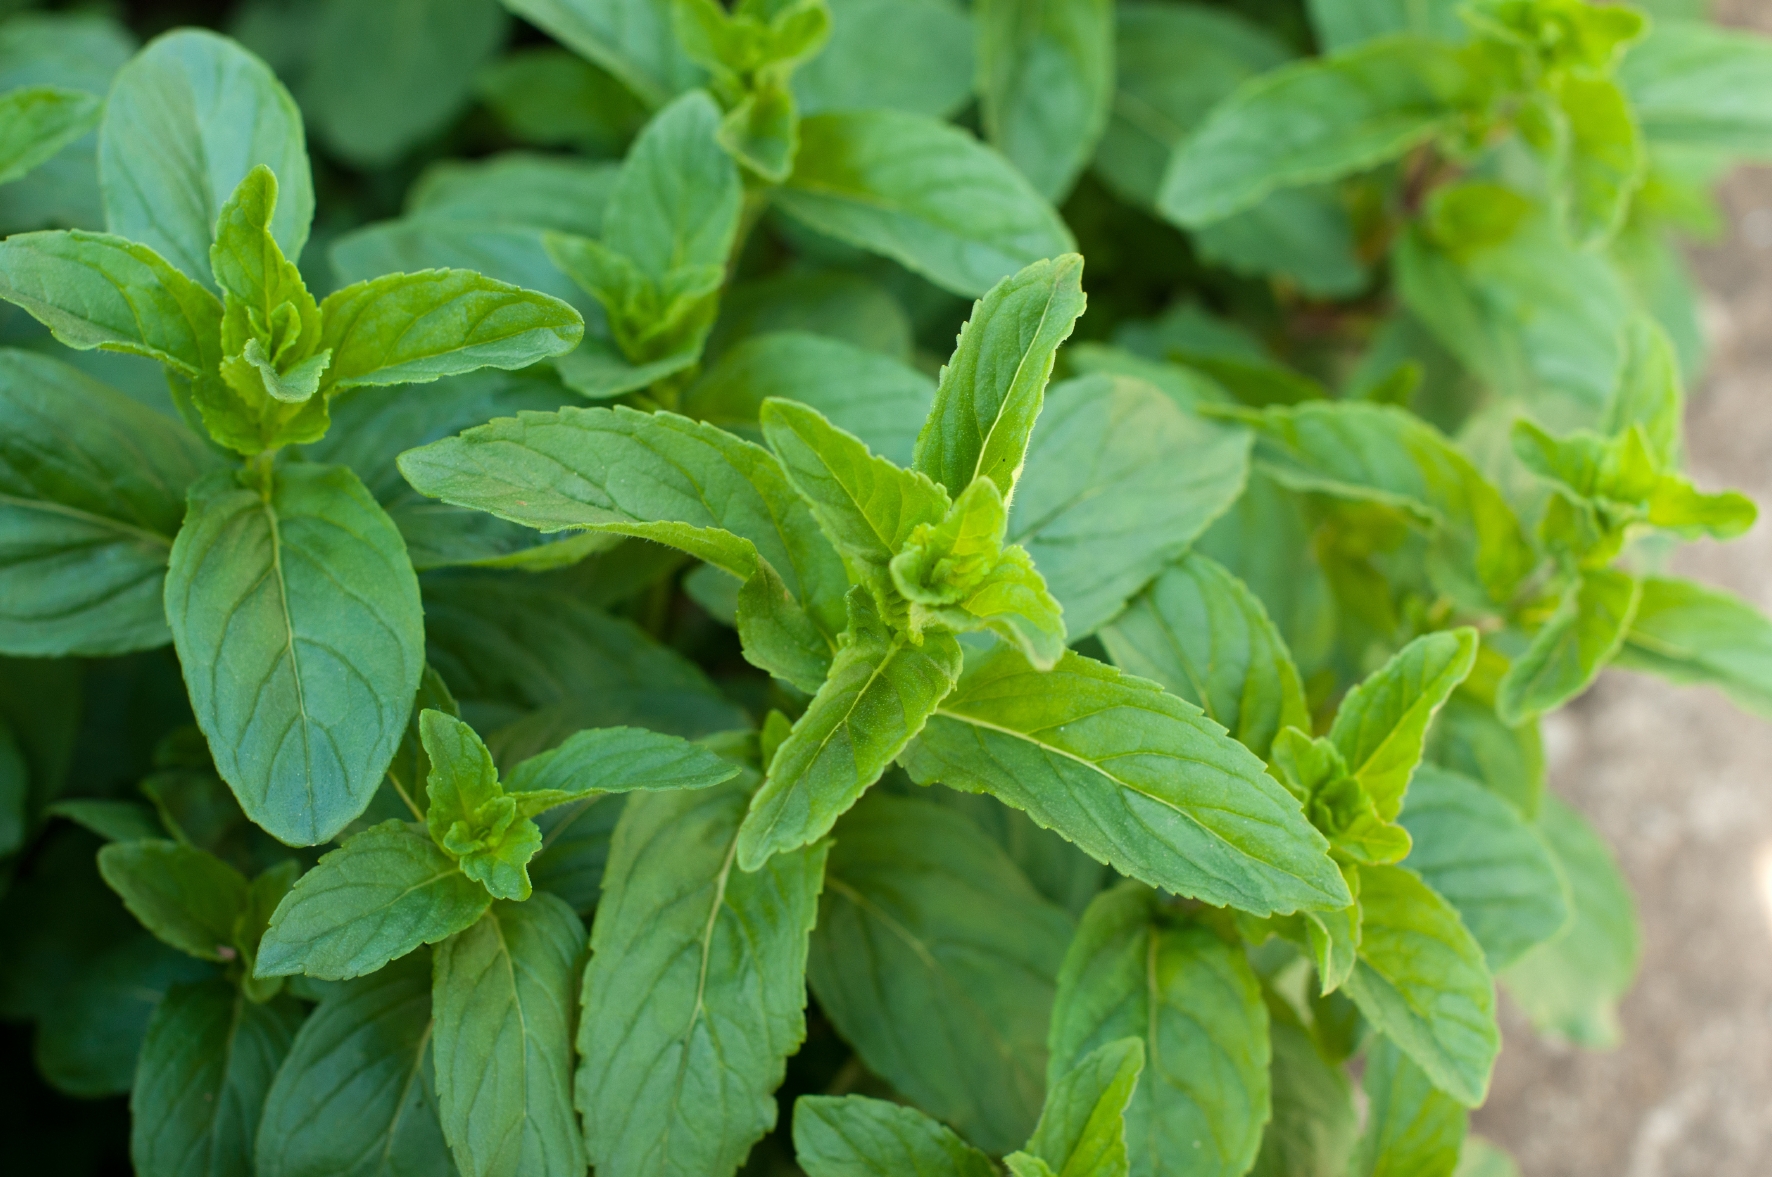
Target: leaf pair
[1082,1130]
[391,888]
[752,52]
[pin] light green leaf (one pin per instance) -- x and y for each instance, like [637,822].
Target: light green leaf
[356,1097]
[1046,82]
[187,118]
[992,388]
[676,200]
[694,995]
[92,489]
[1133,971]
[1205,637]
[387,76]
[1138,778]
[1172,64]
[95,290]
[1375,453]
[881,690]
[935,959]
[1576,642]
[909,55]
[1476,851]
[1607,158]
[704,489]
[1369,105]
[305,592]
[1480,1158]
[187,897]
[469,816]
[1421,982]
[1696,85]
[875,397]
[1571,987]
[859,1137]
[866,506]
[632,39]
[1082,1129]
[925,194]
[415,328]
[1382,723]
[200,1085]
[1343,24]
[501,994]
[1470,739]
[379,896]
[613,760]
[1412,1129]
[36,122]
[1314,1125]
[1689,633]
[1119,482]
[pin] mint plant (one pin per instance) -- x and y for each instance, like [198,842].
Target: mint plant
[815,675]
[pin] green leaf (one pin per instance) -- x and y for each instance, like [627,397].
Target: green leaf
[613,760]
[304,591]
[1172,64]
[1382,723]
[1135,972]
[909,55]
[502,998]
[187,118]
[632,39]
[1421,982]
[1343,24]
[92,489]
[95,290]
[1369,105]
[694,995]
[1265,540]
[993,387]
[114,821]
[875,397]
[374,899]
[922,193]
[1046,82]
[859,1137]
[1138,778]
[1119,482]
[1380,454]
[1474,849]
[1314,1125]
[704,488]
[1575,643]
[1480,1158]
[1305,234]
[935,959]
[1693,84]
[356,1097]
[1200,633]
[517,188]
[469,816]
[387,76]
[1689,633]
[206,1064]
[1082,1129]
[1570,987]
[415,328]
[881,690]
[1607,157]
[866,506]
[188,898]
[549,97]
[39,121]
[1412,1129]
[1471,740]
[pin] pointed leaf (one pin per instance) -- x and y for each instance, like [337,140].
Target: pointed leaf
[1589,626]
[1413,1130]
[676,200]
[1607,156]
[1131,972]
[379,896]
[1136,777]
[37,122]
[1382,724]
[1422,982]
[1205,637]
[694,995]
[1689,633]
[185,896]
[1082,1131]
[992,389]
[935,959]
[613,760]
[1046,75]
[305,593]
[1696,85]
[881,691]
[859,1137]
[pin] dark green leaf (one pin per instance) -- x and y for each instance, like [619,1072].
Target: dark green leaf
[632,39]
[1136,777]
[38,122]
[305,592]
[694,997]
[188,898]
[614,760]
[860,1137]
[502,999]
[936,960]
[1314,1125]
